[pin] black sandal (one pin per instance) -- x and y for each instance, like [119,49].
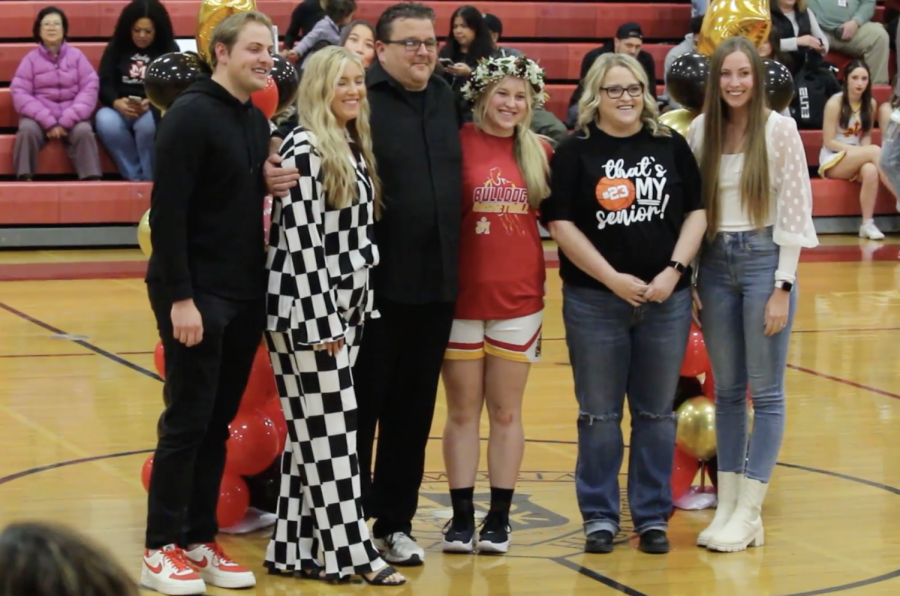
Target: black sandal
[318,574]
[380,579]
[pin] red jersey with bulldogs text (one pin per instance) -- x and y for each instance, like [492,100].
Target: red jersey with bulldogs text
[501,258]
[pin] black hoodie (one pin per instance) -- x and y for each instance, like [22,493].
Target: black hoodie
[206,210]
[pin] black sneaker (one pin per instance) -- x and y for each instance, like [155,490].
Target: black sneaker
[654,542]
[494,535]
[459,532]
[600,541]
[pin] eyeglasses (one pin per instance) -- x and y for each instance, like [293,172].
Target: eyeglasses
[51,25]
[616,91]
[413,45]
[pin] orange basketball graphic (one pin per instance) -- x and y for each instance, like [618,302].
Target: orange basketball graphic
[615,194]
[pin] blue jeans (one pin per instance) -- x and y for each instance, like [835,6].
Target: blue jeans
[129,142]
[617,349]
[736,280]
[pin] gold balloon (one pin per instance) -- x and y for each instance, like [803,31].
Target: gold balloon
[213,12]
[696,434]
[728,18]
[143,234]
[679,120]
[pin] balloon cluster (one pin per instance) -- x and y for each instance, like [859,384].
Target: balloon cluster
[695,409]
[258,435]
[687,77]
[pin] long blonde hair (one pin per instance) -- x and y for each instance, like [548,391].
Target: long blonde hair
[320,75]
[589,104]
[755,175]
[531,157]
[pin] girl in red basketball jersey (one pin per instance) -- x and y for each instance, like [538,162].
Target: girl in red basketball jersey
[496,331]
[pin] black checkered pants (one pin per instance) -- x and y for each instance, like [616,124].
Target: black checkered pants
[320,518]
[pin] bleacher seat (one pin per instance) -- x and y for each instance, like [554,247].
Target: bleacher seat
[555,32]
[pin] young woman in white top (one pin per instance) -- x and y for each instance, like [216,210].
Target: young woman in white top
[321,249]
[758,200]
[847,150]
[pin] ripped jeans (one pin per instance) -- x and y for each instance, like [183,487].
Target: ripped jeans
[617,349]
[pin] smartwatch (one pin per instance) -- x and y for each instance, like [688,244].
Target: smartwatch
[678,267]
[784,285]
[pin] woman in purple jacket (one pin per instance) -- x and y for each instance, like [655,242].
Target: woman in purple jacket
[55,93]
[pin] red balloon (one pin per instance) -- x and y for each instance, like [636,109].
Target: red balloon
[159,359]
[272,410]
[266,99]
[234,499]
[696,358]
[253,444]
[684,471]
[145,473]
[261,385]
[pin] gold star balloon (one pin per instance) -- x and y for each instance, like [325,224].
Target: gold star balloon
[728,18]
[213,12]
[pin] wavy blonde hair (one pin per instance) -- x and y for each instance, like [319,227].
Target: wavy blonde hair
[589,104]
[317,89]
[531,157]
[755,175]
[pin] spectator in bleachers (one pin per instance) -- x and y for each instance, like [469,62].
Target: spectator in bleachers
[798,31]
[629,40]
[688,45]
[41,559]
[126,124]
[359,38]
[495,26]
[543,122]
[847,150]
[771,49]
[54,92]
[304,18]
[850,30]
[468,42]
[327,30]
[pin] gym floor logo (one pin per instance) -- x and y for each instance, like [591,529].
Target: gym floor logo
[532,520]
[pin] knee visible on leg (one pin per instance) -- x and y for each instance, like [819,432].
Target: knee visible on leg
[503,415]
[589,418]
[81,131]
[868,173]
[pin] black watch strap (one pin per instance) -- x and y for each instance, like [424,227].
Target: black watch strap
[677,267]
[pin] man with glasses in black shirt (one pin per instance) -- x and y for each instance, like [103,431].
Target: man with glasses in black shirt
[415,134]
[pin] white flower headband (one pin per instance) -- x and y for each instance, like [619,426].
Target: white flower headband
[493,69]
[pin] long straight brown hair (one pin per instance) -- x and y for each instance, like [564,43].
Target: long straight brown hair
[755,175]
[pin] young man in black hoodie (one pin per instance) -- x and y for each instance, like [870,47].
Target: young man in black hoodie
[206,283]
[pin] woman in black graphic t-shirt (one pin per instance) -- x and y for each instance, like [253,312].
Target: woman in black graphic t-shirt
[126,122]
[627,214]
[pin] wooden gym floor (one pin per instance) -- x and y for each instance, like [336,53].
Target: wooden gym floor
[79,403]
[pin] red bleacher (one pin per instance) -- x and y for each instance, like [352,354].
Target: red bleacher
[550,31]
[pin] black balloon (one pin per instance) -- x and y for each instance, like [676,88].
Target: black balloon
[686,80]
[286,80]
[265,487]
[779,85]
[169,75]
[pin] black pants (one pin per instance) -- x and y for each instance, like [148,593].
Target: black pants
[203,390]
[396,379]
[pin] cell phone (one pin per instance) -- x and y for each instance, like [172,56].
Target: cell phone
[839,33]
[135,99]
[446,62]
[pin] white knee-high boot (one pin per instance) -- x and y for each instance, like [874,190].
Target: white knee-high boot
[745,528]
[727,487]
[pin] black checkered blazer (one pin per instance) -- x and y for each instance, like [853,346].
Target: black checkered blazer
[319,257]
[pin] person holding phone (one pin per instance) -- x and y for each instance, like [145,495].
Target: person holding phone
[126,123]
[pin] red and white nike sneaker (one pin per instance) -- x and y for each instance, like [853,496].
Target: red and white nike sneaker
[217,569]
[167,571]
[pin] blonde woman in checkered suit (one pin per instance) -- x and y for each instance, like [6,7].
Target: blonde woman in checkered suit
[320,252]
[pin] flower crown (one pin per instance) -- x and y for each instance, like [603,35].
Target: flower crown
[493,69]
